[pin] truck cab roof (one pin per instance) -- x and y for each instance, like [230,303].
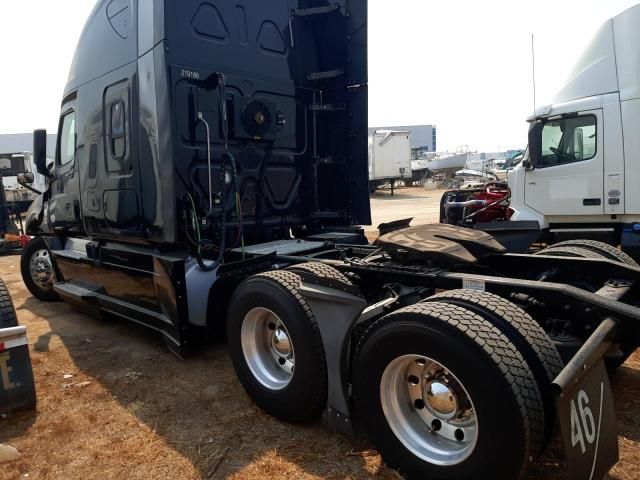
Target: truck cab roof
[609,64]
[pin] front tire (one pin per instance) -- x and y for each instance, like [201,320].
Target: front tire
[276,348]
[38,270]
[464,395]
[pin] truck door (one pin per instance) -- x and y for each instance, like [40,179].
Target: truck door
[110,179]
[570,177]
[64,205]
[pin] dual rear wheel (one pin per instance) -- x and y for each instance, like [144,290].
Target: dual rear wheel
[588,249]
[446,387]
[597,250]
[456,387]
[276,348]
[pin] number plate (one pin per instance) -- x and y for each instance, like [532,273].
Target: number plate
[588,422]
[473,284]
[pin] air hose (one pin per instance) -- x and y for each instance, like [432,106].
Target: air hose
[228,156]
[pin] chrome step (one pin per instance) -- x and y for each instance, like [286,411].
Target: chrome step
[68,289]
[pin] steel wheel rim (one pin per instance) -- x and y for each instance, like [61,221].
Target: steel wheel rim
[267,348]
[41,269]
[429,410]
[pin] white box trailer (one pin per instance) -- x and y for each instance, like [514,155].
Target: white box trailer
[389,157]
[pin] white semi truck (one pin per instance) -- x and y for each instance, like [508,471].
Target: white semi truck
[580,175]
[578,178]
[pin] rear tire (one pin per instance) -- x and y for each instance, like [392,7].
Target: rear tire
[8,317]
[608,251]
[38,270]
[595,250]
[321,270]
[568,251]
[525,333]
[497,383]
[276,348]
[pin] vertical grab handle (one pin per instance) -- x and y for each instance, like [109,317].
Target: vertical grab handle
[201,118]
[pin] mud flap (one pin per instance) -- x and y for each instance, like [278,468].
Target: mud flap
[17,388]
[336,311]
[585,409]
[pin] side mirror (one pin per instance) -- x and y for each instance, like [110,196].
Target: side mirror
[535,145]
[26,178]
[40,152]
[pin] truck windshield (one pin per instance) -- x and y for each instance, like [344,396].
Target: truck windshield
[569,140]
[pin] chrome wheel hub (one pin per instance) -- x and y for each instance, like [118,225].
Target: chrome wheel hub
[429,410]
[41,269]
[267,348]
[441,399]
[280,342]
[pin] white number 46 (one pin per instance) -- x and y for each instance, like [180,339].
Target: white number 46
[583,425]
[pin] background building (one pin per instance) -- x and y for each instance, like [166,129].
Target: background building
[423,137]
[23,142]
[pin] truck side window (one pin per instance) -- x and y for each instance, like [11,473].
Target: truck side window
[118,131]
[568,140]
[67,139]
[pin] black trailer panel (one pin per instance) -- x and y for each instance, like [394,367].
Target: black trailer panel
[17,387]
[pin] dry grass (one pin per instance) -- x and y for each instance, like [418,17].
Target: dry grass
[147,415]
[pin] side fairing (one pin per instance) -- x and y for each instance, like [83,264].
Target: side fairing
[300,68]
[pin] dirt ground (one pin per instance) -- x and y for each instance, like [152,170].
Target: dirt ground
[421,205]
[147,415]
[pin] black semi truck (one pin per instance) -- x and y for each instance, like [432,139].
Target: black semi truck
[209,181]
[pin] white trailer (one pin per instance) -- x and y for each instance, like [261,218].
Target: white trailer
[389,157]
[580,175]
